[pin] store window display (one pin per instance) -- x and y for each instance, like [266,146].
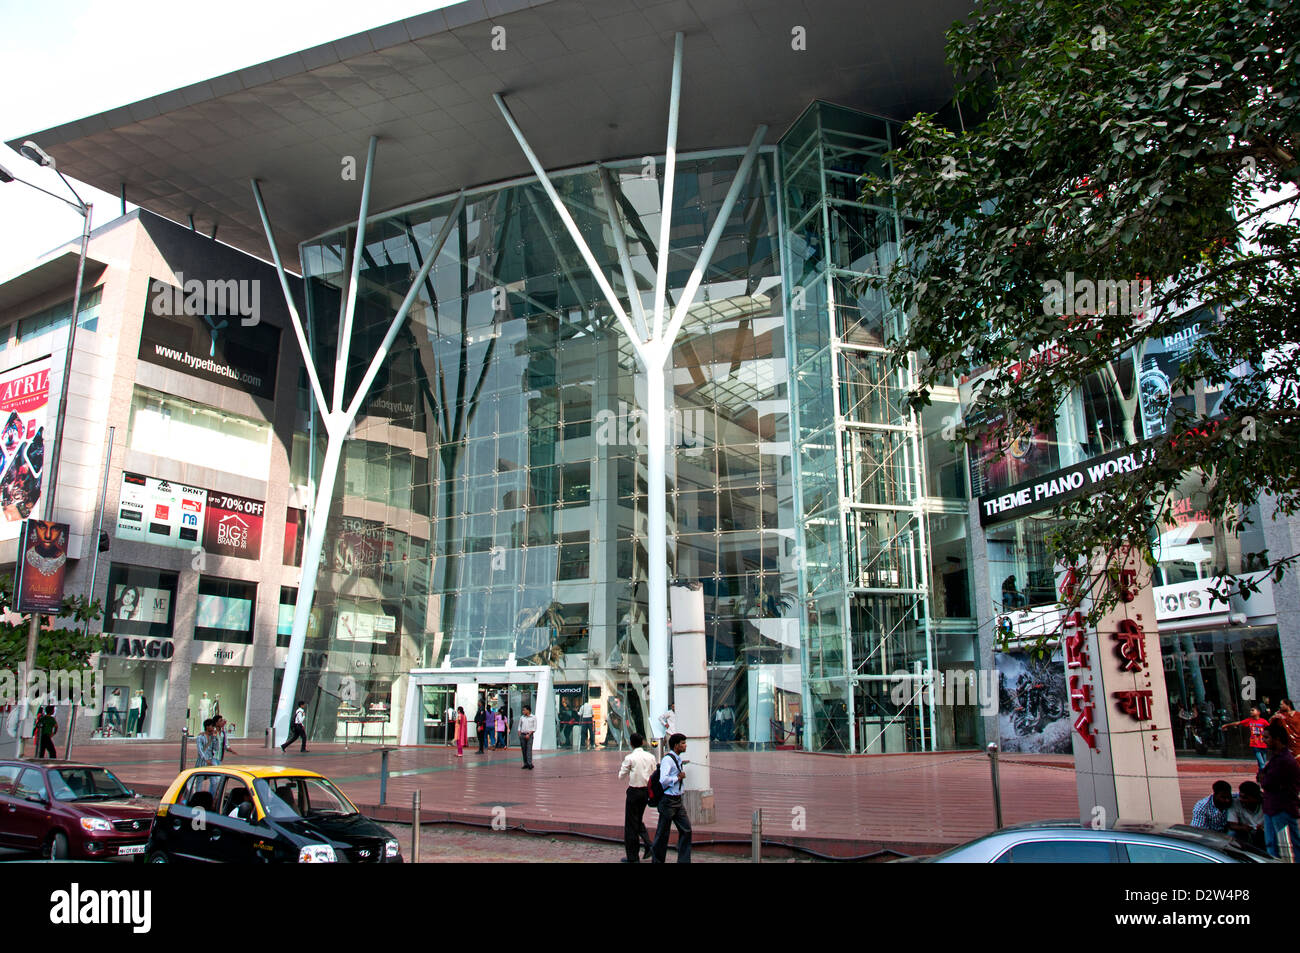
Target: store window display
[219,690]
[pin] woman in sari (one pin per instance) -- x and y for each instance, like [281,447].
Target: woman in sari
[462,731]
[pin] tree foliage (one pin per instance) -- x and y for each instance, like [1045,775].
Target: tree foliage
[66,648]
[1120,141]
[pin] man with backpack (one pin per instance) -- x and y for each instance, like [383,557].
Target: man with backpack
[672,776]
[637,767]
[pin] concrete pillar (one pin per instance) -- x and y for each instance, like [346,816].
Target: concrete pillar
[987,638]
[691,693]
[1282,537]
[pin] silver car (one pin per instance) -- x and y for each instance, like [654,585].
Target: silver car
[1069,842]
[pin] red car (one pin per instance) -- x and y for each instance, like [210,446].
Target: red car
[64,809]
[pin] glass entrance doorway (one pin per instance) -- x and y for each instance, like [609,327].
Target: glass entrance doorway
[438,708]
[513,697]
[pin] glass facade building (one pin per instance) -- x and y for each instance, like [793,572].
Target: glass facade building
[490,513]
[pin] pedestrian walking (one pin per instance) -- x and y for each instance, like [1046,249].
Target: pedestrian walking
[672,774]
[1258,743]
[480,725]
[208,745]
[1280,779]
[668,721]
[503,727]
[297,728]
[527,728]
[462,731]
[220,724]
[585,714]
[46,728]
[1211,813]
[636,767]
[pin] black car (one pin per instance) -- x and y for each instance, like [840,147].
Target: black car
[247,814]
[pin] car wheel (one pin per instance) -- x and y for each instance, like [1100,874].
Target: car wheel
[57,846]
[159,857]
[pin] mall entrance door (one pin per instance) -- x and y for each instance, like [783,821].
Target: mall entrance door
[514,696]
[435,729]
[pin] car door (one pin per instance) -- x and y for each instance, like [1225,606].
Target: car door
[184,832]
[31,814]
[8,808]
[231,840]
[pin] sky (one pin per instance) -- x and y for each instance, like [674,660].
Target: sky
[62,60]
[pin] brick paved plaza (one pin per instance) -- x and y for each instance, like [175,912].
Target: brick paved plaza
[849,806]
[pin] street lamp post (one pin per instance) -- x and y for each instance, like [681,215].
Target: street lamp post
[38,155]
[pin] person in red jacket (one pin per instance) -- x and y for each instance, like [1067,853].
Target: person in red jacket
[1280,779]
[1258,743]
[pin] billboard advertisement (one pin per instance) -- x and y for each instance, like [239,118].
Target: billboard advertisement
[1033,708]
[24,402]
[42,566]
[233,526]
[189,517]
[203,329]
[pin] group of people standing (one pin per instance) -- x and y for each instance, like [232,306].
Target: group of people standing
[1262,808]
[493,727]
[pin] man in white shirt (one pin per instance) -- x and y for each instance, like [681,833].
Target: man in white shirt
[669,722]
[584,719]
[636,767]
[527,728]
[298,728]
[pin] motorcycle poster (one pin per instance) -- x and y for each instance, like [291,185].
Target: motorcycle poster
[1033,707]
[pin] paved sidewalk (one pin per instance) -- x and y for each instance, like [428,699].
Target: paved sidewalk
[835,805]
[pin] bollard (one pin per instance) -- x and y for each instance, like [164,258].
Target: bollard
[415,827]
[270,737]
[997,788]
[383,776]
[756,845]
[185,742]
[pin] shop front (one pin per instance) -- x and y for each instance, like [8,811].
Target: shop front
[219,686]
[135,659]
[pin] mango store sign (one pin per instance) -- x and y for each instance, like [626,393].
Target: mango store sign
[1061,485]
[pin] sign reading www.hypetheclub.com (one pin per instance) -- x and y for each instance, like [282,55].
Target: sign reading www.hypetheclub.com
[211,329]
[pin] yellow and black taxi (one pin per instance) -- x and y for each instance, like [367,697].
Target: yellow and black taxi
[263,814]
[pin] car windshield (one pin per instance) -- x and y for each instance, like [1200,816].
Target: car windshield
[287,798]
[86,784]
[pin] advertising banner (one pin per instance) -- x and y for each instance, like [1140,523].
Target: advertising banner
[1160,362]
[42,566]
[140,604]
[189,517]
[1061,485]
[211,330]
[24,401]
[233,526]
[160,512]
[1033,710]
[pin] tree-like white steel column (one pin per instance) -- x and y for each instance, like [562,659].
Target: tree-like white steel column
[336,418]
[653,352]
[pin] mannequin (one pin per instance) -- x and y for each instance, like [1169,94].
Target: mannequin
[205,709]
[133,715]
[144,710]
[115,708]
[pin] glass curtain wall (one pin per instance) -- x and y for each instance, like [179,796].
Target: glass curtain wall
[491,509]
[865,570]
